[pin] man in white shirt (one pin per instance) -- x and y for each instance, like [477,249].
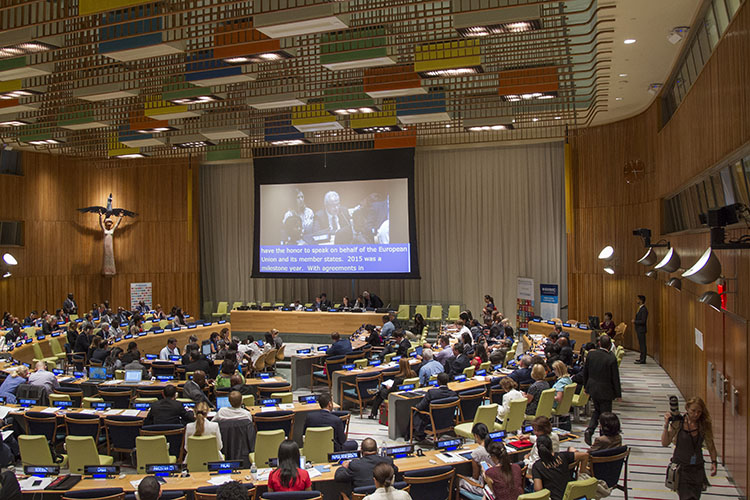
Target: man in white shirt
[170,349]
[44,378]
[236,411]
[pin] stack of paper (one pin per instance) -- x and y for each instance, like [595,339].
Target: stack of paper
[218,480]
[449,459]
[130,413]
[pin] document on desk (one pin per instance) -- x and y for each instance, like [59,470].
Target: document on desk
[35,483]
[286,406]
[136,482]
[450,458]
[262,474]
[7,434]
[130,413]
[51,409]
[113,382]
[313,472]
[4,410]
[266,409]
[88,411]
[112,412]
[219,480]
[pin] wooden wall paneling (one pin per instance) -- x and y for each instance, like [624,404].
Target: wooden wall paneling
[735,424]
[63,248]
[711,323]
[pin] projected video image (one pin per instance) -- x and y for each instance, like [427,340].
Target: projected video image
[357,226]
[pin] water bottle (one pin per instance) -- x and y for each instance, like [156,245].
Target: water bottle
[253,471]
[382,448]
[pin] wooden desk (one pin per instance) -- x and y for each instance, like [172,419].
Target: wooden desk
[399,406]
[302,364]
[580,335]
[151,343]
[314,322]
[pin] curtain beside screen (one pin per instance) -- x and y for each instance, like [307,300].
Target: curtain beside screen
[485,216]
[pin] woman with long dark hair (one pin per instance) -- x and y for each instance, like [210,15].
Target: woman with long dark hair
[505,478]
[480,355]
[690,434]
[489,307]
[404,372]
[478,456]
[552,470]
[288,476]
[114,360]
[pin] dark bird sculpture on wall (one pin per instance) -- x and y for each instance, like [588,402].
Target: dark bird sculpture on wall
[108,211]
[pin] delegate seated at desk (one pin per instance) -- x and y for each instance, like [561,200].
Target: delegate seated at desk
[439,392]
[168,410]
[358,471]
[324,418]
[460,361]
[430,367]
[398,344]
[193,389]
[522,375]
[388,328]
[339,346]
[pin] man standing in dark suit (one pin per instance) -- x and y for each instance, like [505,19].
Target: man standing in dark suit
[601,379]
[324,418]
[69,305]
[168,410]
[641,318]
[439,392]
[358,472]
[339,346]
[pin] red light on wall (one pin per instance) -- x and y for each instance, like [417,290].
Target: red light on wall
[721,289]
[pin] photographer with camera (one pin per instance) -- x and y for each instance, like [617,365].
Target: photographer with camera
[689,433]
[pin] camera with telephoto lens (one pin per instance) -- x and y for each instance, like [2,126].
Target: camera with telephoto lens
[674,409]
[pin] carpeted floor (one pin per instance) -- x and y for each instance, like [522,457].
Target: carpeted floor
[646,389]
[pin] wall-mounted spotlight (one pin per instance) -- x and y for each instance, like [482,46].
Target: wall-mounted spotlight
[9,259]
[675,283]
[706,270]
[670,263]
[652,274]
[649,258]
[645,234]
[711,298]
[609,270]
[607,253]
[6,274]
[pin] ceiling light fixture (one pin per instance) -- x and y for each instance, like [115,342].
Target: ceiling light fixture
[278,55]
[618,98]
[378,130]
[675,283]
[291,142]
[711,298]
[447,73]
[7,274]
[23,49]
[670,263]
[607,253]
[506,20]
[155,130]
[219,133]
[706,270]
[629,41]
[15,94]
[609,270]
[131,156]
[297,21]
[9,259]
[45,142]
[623,75]
[352,111]
[529,97]
[200,99]
[649,258]
[652,274]
[13,123]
